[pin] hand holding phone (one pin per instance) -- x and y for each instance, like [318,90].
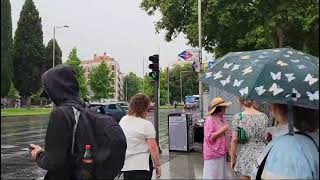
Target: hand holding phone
[30,148]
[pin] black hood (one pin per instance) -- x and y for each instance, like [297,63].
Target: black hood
[61,85]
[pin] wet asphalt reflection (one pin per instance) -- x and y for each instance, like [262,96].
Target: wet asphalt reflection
[18,132]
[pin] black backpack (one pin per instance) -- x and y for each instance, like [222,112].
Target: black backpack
[107,140]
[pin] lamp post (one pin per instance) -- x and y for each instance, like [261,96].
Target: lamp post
[54,42]
[200,58]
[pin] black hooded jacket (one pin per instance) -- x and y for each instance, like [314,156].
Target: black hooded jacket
[62,87]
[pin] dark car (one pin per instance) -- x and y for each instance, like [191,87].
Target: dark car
[124,105]
[111,109]
[4,106]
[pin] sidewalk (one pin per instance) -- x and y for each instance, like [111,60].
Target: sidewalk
[181,165]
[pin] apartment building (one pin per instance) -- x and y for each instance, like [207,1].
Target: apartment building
[117,80]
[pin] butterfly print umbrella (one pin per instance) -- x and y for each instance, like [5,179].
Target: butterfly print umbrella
[270,75]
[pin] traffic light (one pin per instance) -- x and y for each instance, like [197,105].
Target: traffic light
[154,66]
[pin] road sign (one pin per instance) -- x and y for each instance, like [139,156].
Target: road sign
[210,63]
[185,55]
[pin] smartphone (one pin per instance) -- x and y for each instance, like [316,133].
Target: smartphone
[30,148]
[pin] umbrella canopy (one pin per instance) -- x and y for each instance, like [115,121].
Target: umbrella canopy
[270,75]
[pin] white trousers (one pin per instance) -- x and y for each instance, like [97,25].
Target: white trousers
[216,169]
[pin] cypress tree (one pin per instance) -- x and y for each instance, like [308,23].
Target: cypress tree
[28,58]
[48,55]
[6,47]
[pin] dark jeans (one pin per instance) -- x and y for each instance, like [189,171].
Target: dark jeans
[139,174]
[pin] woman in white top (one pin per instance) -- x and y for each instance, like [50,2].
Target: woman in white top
[141,143]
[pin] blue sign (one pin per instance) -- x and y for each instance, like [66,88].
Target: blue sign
[211,63]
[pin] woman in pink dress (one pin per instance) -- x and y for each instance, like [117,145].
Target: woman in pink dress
[216,141]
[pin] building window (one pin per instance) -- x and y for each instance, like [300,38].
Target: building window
[113,67]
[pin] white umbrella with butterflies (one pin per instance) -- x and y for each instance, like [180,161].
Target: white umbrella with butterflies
[282,75]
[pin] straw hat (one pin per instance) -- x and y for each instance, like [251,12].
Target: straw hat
[218,101]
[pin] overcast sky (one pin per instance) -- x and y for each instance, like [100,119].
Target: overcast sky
[118,27]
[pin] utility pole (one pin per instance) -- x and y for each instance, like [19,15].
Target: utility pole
[143,74]
[127,90]
[168,76]
[200,59]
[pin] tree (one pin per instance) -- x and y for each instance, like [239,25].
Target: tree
[48,55]
[148,87]
[6,47]
[75,62]
[13,93]
[241,25]
[132,85]
[163,87]
[190,83]
[28,52]
[100,82]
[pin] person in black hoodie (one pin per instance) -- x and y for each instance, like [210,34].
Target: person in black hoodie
[62,87]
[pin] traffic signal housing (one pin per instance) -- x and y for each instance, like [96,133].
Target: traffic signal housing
[154,66]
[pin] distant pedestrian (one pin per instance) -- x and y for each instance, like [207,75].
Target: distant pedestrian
[292,157]
[216,141]
[251,125]
[142,154]
[17,103]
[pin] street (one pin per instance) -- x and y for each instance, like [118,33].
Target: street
[18,132]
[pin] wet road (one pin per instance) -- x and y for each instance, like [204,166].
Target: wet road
[18,132]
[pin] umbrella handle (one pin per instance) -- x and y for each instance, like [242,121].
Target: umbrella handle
[290,114]
[290,120]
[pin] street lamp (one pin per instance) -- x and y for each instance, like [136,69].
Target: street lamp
[54,41]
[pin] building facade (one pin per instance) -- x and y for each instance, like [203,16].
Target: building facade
[117,76]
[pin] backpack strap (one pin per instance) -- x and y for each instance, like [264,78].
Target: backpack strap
[307,135]
[76,116]
[261,166]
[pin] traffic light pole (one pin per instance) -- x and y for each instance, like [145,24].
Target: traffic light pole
[156,110]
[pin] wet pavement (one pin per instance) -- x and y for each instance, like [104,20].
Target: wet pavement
[18,132]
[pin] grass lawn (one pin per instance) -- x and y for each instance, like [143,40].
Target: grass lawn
[170,107]
[25,112]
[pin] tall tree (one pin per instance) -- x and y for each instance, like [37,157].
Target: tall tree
[100,82]
[148,87]
[132,85]
[6,47]
[190,83]
[241,25]
[163,87]
[75,62]
[48,55]
[28,52]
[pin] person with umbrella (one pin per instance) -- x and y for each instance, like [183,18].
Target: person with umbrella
[277,76]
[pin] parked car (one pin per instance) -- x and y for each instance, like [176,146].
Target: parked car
[49,105]
[190,105]
[111,109]
[4,106]
[124,105]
